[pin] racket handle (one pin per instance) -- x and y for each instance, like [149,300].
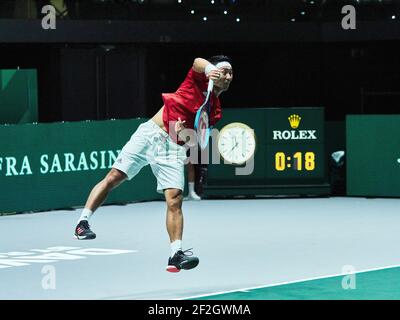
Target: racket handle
[210,85]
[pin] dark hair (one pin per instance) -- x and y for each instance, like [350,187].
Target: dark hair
[215,59]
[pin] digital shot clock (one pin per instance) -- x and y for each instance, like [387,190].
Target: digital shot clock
[296,161]
[287,149]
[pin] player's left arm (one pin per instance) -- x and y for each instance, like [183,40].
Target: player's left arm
[187,136]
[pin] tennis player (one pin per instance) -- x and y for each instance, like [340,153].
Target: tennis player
[158,142]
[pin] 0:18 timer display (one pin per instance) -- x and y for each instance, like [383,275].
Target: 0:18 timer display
[300,161]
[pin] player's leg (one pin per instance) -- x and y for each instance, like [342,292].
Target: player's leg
[128,163]
[173,197]
[167,162]
[96,197]
[100,192]
[179,259]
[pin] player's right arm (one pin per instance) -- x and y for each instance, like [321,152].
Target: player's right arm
[201,65]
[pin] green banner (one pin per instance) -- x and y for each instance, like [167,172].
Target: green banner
[18,96]
[373,155]
[52,166]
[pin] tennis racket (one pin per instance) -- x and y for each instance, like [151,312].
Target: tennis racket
[201,122]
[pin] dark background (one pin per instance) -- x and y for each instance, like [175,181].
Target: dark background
[113,59]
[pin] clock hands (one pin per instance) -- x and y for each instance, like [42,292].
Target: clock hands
[230,151]
[236,144]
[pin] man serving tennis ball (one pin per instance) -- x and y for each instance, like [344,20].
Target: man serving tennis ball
[157,142]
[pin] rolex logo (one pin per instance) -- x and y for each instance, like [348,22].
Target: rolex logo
[294,121]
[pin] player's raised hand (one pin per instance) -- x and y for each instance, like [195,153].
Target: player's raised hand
[215,74]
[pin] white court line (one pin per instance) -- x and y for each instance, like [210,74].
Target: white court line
[287,282]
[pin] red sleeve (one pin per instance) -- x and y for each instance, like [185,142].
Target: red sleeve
[199,78]
[187,99]
[194,81]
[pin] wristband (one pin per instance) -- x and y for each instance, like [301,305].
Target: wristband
[210,67]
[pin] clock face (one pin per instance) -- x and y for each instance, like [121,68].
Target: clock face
[236,143]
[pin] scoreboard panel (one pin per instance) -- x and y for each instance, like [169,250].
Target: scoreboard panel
[289,156]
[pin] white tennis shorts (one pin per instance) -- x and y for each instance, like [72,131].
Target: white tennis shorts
[152,145]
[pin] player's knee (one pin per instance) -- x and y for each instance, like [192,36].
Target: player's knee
[114,178]
[174,201]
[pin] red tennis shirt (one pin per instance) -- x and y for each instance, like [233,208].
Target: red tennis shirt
[187,100]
